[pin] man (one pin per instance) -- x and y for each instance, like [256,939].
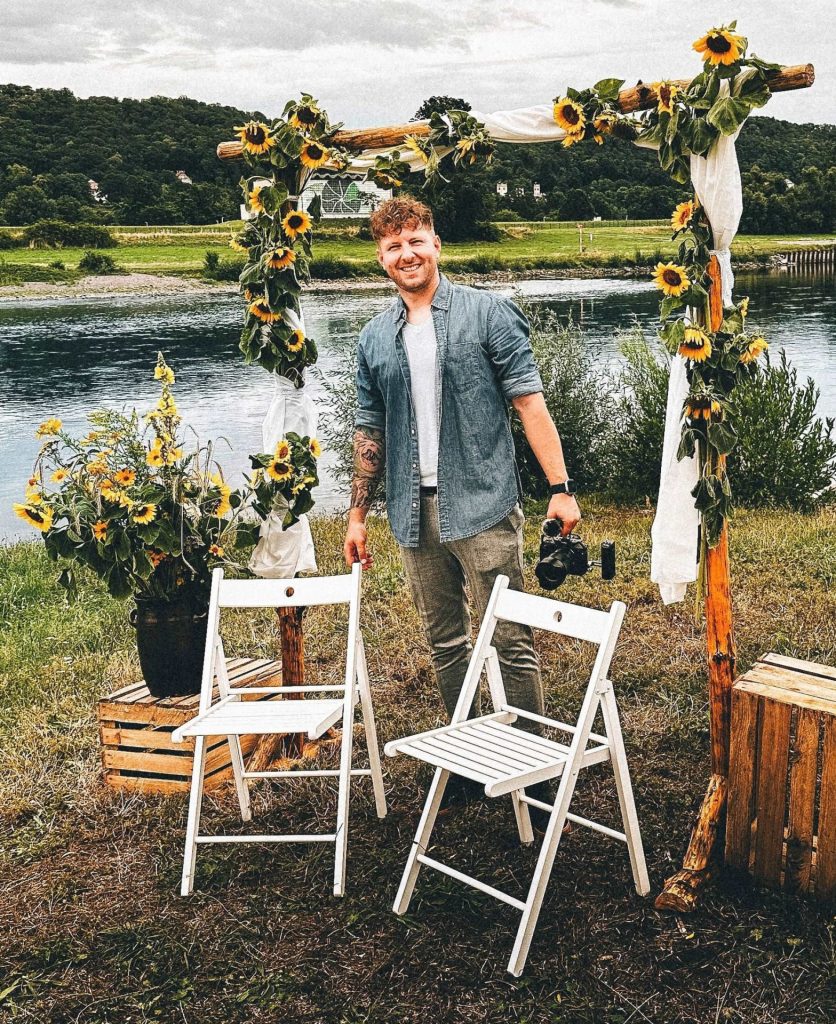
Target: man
[435,374]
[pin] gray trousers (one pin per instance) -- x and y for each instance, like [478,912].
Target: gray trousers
[437,574]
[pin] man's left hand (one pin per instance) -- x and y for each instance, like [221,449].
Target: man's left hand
[565,508]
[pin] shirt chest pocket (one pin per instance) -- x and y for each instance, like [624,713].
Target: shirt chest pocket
[465,366]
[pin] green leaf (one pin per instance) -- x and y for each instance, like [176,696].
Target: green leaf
[728,114]
[722,437]
[752,88]
[687,444]
[608,88]
[702,136]
[669,304]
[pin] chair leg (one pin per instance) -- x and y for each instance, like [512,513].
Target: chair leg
[236,757]
[543,870]
[371,732]
[341,843]
[421,841]
[523,819]
[195,801]
[624,787]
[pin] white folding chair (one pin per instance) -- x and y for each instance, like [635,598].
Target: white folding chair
[233,716]
[506,759]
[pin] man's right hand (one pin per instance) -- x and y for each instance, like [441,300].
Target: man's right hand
[354,548]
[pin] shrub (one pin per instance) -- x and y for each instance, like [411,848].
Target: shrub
[634,444]
[211,261]
[52,233]
[9,241]
[507,215]
[786,455]
[217,269]
[578,394]
[98,263]
[57,265]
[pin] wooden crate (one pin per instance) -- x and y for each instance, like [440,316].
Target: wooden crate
[135,732]
[781,825]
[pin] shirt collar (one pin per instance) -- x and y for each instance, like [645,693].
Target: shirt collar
[441,300]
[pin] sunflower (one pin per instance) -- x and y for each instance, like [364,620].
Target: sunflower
[155,457]
[280,257]
[682,214]
[224,505]
[282,453]
[296,223]
[41,518]
[59,476]
[720,46]
[34,496]
[123,500]
[305,116]
[702,407]
[384,180]
[604,122]
[100,529]
[415,147]
[756,347]
[49,428]
[254,199]
[125,477]
[599,139]
[696,346]
[569,115]
[295,342]
[570,140]
[313,155]
[144,513]
[278,470]
[216,550]
[164,373]
[261,309]
[315,447]
[667,93]
[256,137]
[237,246]
[173,455]
[671,278]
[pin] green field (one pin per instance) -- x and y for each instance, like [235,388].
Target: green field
[95,932]
[525,246]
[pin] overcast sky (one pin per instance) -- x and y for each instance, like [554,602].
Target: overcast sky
[373,62]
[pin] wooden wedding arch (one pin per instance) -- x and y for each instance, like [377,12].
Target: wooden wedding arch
[705,850]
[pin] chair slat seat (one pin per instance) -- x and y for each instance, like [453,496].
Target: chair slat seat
[313,717]
[498,755]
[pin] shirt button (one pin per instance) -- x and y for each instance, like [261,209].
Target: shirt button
[414,465]
[415,504]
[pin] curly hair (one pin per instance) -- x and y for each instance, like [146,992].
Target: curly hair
[393,215]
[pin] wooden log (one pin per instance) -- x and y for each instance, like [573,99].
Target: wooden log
[293,674]
[707,837]
[637,97]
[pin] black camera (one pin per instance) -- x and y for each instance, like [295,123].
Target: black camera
[568,556]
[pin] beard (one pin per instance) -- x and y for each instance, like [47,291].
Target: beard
[416,280]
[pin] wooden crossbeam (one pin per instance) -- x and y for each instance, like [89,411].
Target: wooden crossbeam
[637,97]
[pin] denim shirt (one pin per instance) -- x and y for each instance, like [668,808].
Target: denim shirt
[484,360]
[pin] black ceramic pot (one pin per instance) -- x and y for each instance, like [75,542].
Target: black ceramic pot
[170,638]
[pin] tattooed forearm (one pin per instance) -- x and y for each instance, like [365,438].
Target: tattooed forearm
[369,457]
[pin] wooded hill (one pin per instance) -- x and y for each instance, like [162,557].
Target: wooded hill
[52,143]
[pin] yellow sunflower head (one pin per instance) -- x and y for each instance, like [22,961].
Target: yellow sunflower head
[59,476]
[756,347]
[682,214]
[313,154]
[100,529]
[671,278]
[255,136]
[109,491]
[604,122]
[282,452]
[155,457]
[237,246]
[720,46]
[315,447]
[295,223]
[261,309]
[49,428]
[278,470]
[569,115]
[125,477]
[414,147]
[570,140]
[39,517]
[144,513]
[305,116]
[667,93]
[295,342]
[696,345]
[254,200]
[280,257]
[703,407]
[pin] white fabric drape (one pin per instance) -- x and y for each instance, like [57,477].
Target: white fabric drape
[280,554]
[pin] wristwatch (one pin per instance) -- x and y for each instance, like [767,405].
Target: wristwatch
[567,487]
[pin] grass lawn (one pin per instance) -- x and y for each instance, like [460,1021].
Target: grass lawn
[95,931]
[340,253]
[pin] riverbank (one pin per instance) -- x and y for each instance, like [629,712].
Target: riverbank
[89,879]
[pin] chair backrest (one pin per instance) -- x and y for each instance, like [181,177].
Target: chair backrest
[590,624]
[287,593]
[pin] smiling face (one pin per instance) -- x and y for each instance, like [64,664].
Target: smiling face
[410,257]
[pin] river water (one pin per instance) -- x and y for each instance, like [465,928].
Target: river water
[64,358]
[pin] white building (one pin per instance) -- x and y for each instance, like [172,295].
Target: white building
[502,188]
[536,190]
[183,177]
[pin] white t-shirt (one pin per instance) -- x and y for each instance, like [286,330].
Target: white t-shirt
[422,352]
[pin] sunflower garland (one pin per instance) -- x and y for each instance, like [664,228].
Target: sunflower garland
[284,478]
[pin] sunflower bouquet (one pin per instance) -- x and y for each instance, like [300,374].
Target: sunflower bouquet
[282,481]
[129,503]
[592,114]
